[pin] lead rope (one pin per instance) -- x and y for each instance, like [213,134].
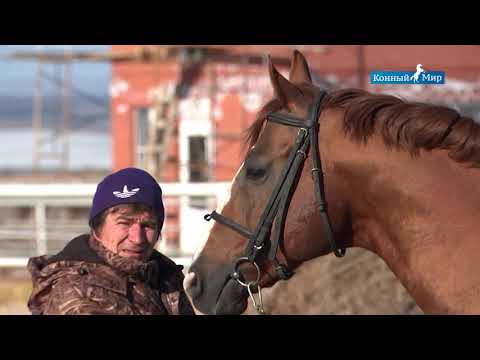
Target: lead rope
[258,306]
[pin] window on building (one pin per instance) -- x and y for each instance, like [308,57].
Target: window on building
[142,125]
[198,166]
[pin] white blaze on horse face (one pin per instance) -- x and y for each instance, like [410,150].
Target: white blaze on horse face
[223,200]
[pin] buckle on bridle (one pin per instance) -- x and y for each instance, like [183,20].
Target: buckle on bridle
[305,132]
[303,153]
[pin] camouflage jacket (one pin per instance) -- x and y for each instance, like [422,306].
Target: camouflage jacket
[86,278]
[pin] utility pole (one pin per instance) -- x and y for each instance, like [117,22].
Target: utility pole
[37,118]
[61,132]
[66,109]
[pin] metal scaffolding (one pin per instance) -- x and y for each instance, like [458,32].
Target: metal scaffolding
[191,58]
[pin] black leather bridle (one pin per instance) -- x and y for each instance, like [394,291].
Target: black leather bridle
[280,199]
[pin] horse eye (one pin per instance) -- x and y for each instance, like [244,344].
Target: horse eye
[255,173]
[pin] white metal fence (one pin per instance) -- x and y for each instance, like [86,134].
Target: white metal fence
[42,233]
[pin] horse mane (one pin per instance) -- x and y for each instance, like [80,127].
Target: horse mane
[411,126]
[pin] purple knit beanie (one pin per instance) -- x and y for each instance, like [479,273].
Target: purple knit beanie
[128,186]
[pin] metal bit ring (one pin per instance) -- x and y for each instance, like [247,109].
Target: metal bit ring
[236,273]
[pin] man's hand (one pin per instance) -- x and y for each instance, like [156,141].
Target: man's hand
[187,283]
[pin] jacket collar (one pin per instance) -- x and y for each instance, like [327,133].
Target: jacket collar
[86,248]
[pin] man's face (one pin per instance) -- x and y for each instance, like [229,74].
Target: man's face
[129,234]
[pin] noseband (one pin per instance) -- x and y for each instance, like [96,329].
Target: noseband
[282,194]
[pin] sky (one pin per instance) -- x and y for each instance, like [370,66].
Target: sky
[90,142]
[17,77]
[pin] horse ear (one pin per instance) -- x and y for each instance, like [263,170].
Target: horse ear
[284,90]
[299,70]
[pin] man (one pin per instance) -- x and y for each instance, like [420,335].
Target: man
[114,269]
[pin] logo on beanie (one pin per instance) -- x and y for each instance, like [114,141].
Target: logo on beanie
[126,193]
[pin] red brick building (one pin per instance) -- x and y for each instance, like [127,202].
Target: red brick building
[217,90]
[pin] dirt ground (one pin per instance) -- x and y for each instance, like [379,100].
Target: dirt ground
[359,284]
[15,287]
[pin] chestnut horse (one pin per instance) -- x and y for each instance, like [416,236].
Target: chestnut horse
[400,179]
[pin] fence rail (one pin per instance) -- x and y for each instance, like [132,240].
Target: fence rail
[20,240]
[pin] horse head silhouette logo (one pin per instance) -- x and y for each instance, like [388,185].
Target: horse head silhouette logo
[417,73]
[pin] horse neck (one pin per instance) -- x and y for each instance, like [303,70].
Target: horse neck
[420,215]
